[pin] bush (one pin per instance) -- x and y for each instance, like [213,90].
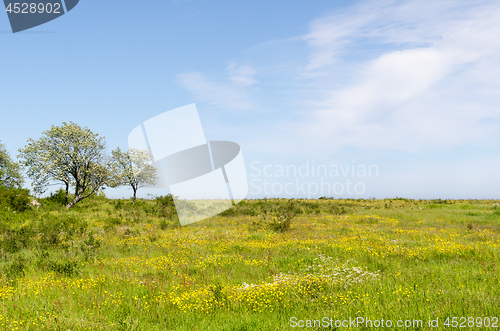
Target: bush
[54,230]
[67,268]
[165,200]
[15,269]
[277,222]
[63,266]
[14,199]
[51,231]
[339,210]
[14,239]
[118,205]
[165,207]
[166,224]
[280,223]
[58,197]
[90,246]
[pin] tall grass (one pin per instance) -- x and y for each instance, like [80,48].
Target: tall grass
[114,265]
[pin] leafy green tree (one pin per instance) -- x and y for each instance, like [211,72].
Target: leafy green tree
[71,155]
[133,168]
[10,171]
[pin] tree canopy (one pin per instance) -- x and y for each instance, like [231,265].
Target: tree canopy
[10,171]
[133,168]
[69,155]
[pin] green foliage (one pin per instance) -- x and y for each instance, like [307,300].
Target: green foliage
[280,223]
[164,224]
[10,171]
[119,204]
[101,267]
[439,201]
[51,231]
[165,200]
[90,246]
[15,238]
[290,206]
[217,291]
[132,168]
[339,210]
[64,267]
[56,231]
[165,206]
[68,155]
[277,222]
[14,199]
[58,197]
[96,196]
[15,269]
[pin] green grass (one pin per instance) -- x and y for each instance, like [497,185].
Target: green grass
[111,265]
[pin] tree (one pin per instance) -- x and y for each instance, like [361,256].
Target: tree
[10,171]
[133,168]
[71,155]
[40,157]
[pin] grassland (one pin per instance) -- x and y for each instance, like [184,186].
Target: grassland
[110,265]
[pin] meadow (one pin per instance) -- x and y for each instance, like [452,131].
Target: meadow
[267,264]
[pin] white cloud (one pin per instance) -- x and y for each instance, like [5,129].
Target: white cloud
[432,64]
[411,75]
[329,35]
[396,77]
[232,94]
[241,75]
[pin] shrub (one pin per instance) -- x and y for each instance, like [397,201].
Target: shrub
[339,210]
[90,246]
[165,206]
[131,233]
[280,223]
[277,223]
[166,224]
[14,239]
[54,229]
[15,269]
[58,197]
[41,258]
[119,205]
[14,199]
[67,268]
[111,222]
[165,200]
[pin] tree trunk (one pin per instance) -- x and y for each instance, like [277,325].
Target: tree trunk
[67,192]
[74,202]
[79,196]
[135,195]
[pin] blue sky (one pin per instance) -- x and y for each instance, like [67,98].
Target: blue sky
[411,87]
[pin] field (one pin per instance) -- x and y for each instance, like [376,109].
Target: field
[263,265]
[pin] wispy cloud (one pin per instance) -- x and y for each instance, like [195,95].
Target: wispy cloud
[330,35]
[231,94]
[241,75]
[408,75]
[431,79]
